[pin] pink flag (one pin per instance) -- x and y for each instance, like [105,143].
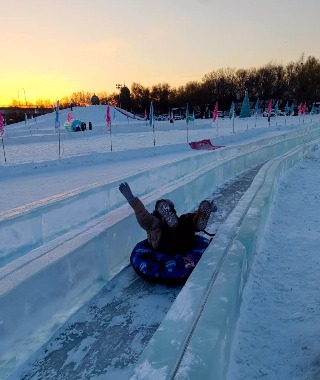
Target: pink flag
[108,118]
[145,115]
[304,108]
[215,112]
[299,109]
[1,125]
[69,118]
[269,107]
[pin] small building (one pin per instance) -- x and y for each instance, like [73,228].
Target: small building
[95,100]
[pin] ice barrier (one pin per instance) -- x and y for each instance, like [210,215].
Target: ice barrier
[194,340]
[32,226]
[53,280]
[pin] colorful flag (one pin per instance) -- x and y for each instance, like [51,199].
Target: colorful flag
[187,114]
[300,109]
[269,107]
[69,118]
[292,110]
[256,108]
[286,108]
[304,108]
[215,112]
[151,121]
[276,107]
[231,112]
[1,125]
[312,109]
[108,118]
[145,115]
[57,119]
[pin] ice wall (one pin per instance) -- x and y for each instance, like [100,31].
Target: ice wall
[194,340]
[30,227]
[40,290]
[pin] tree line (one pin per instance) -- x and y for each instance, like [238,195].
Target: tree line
[295,82]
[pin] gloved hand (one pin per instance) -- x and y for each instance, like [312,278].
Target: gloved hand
[126,191]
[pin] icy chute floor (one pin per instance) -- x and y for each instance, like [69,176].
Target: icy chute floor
[107,335]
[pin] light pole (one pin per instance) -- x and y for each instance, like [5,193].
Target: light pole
[119,87]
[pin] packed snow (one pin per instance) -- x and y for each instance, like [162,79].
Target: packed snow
[279,327]
[277,334]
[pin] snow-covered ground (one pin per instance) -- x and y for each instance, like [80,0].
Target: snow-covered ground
[277,333]
[34,170]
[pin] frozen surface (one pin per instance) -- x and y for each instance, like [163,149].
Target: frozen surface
[34,174]
[107,335]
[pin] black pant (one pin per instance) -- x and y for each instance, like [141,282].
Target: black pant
[180,238]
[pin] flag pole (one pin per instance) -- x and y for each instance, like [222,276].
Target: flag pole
[4,152]
[26,122]
[109,128]
[110,140]
[57,125]
[187,134]
[187,121]
[151,119]
[59,144]
[1,134]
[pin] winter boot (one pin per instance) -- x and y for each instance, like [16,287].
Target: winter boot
[164,208]
[202,216]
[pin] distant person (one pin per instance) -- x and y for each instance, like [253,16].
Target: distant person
[166,231]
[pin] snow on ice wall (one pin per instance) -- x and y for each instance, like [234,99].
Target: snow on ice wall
[55,278]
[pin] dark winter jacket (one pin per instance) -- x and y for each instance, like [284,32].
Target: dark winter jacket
[147,221]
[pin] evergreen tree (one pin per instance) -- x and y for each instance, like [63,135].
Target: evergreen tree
[245,108]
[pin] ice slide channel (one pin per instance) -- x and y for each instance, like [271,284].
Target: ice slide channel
[194,339]
[115,325]
[82,262]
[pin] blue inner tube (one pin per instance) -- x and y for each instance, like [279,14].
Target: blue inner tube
[165,268]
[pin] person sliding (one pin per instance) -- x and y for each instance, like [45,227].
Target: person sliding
[166,231]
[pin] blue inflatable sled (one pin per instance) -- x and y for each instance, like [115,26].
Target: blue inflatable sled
[73,126]
[165,268]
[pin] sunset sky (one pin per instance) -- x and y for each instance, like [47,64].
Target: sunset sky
[51,49]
